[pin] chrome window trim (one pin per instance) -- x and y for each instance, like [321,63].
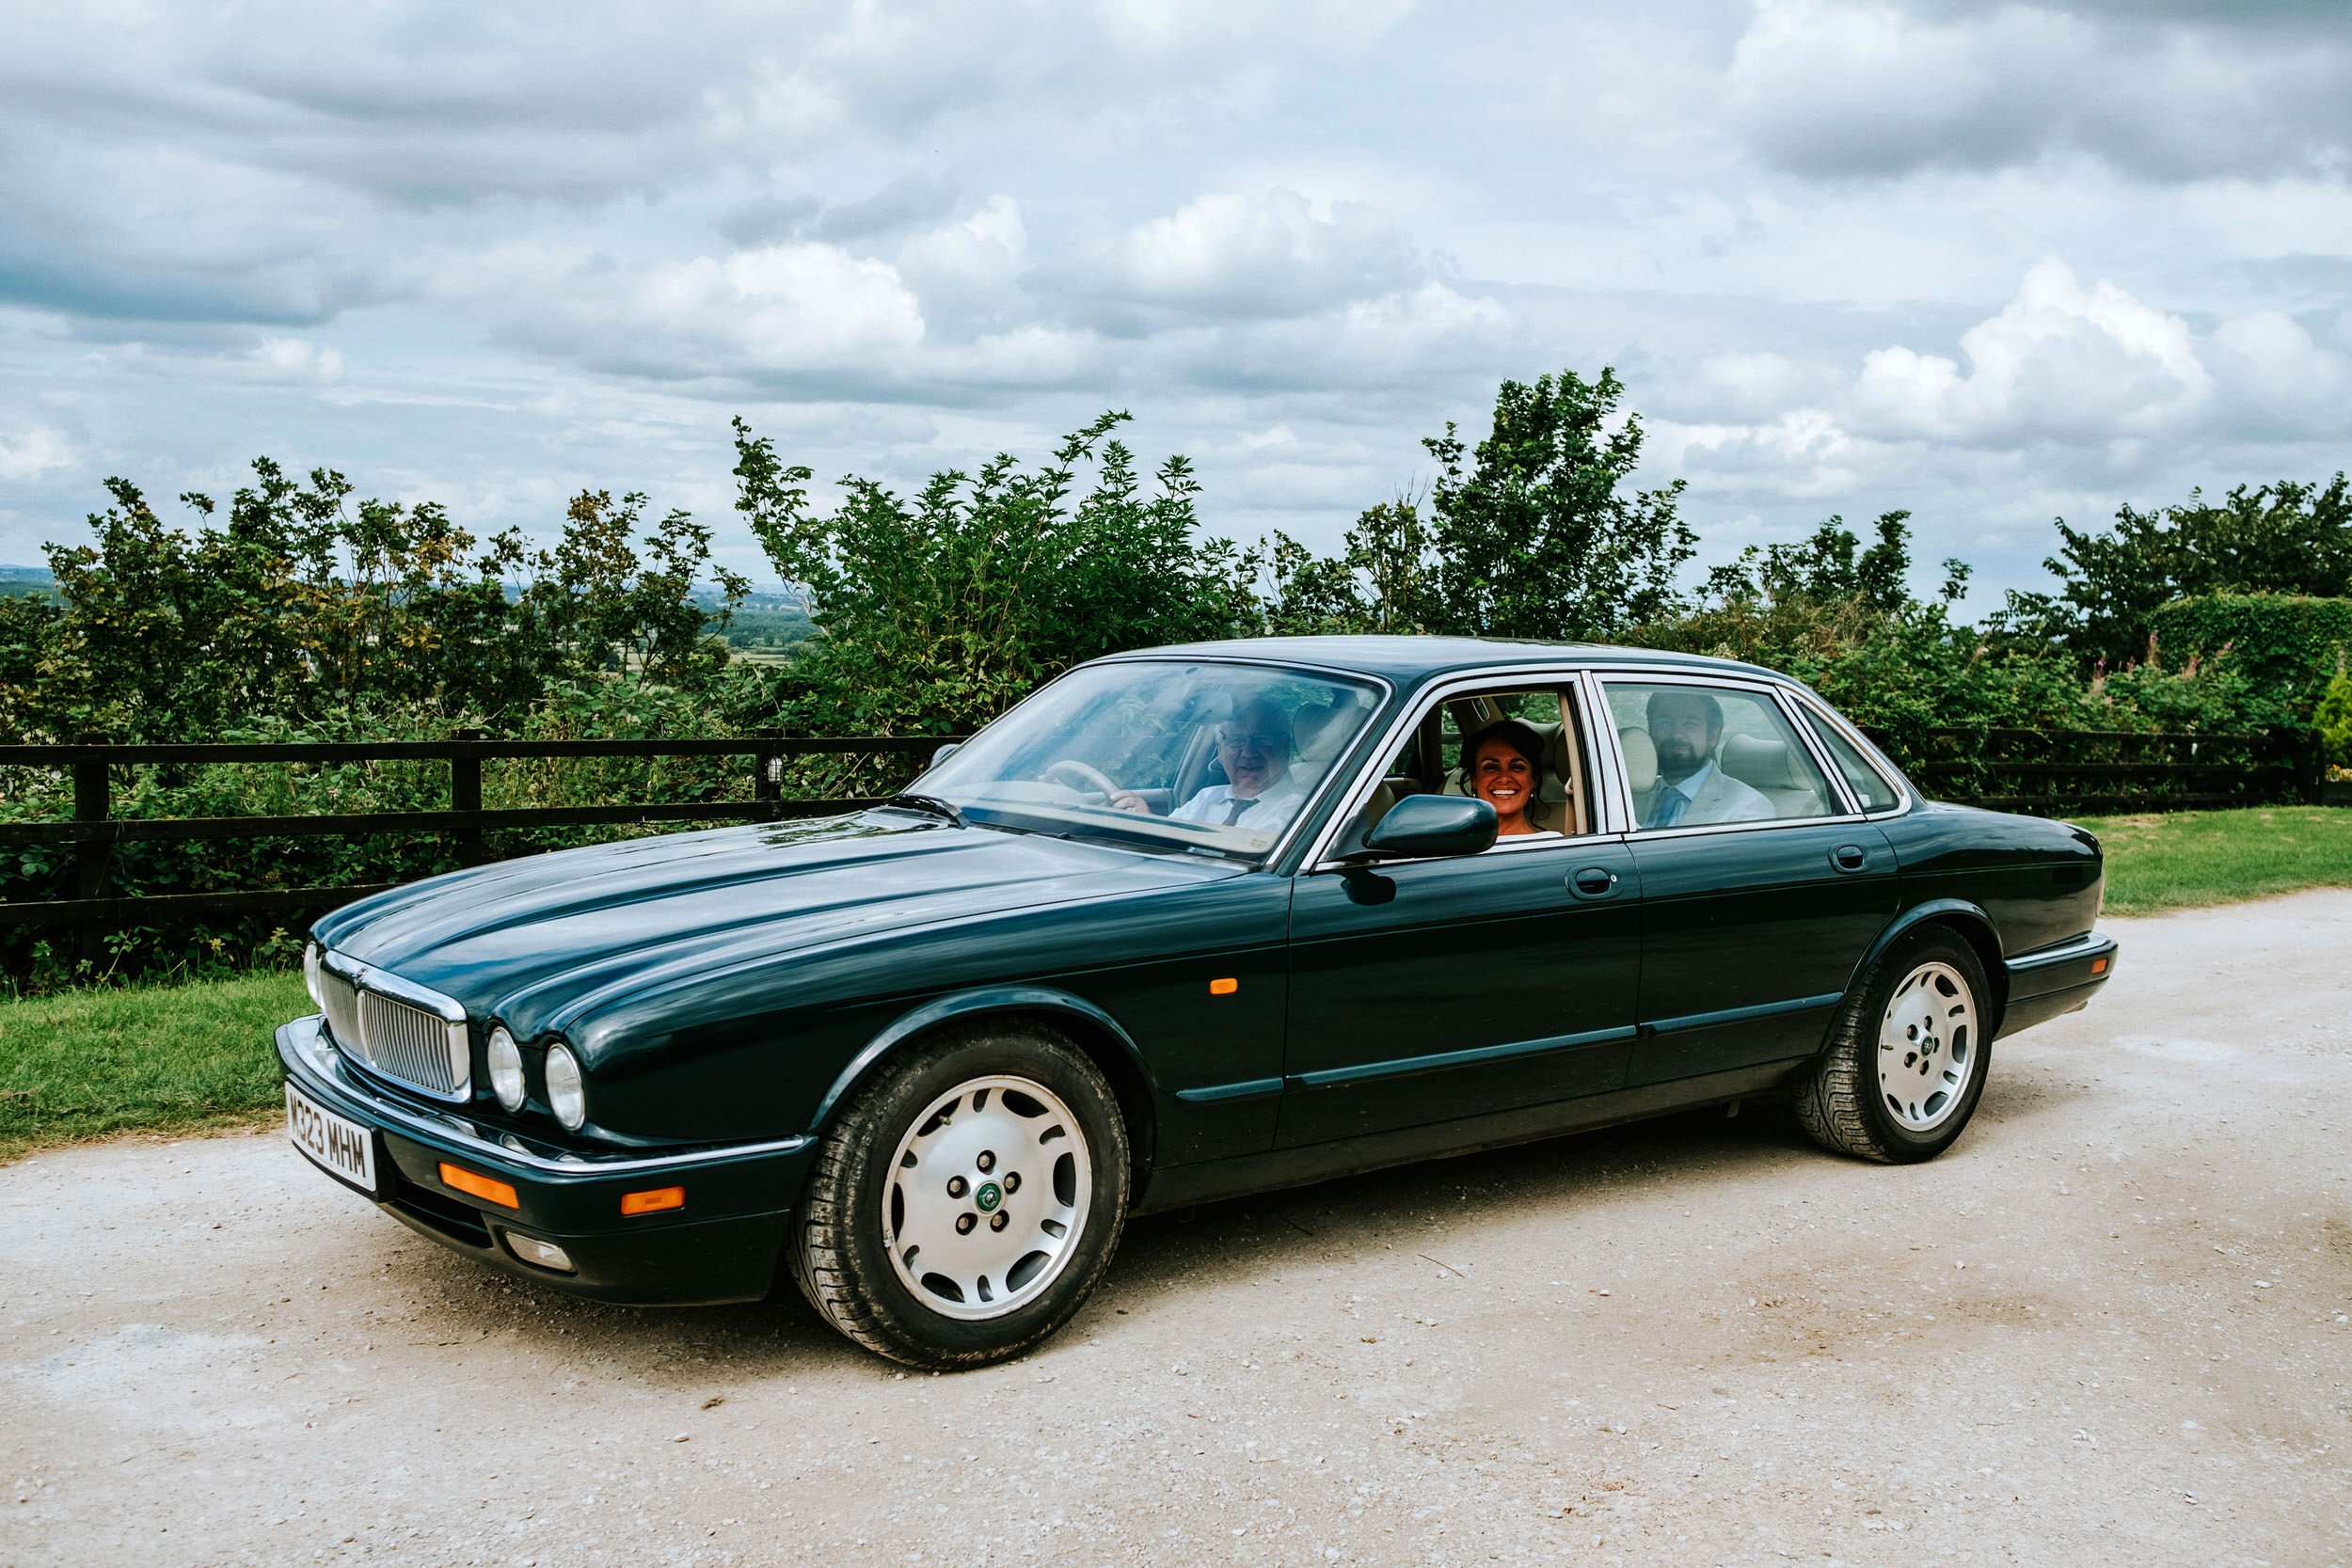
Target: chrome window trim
[1821,759]
[1818,710]
[1384,697]
[1683,675]
[1406,717]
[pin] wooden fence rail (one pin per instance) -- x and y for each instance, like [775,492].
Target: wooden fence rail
[2057,772]
[93,829]
[2049,771]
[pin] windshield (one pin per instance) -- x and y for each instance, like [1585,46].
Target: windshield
[1215,757]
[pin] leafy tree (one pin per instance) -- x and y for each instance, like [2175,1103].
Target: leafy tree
[2334,720]
[303,603]
[938,610]
[1535,536]
[2282,538]
[1382,581]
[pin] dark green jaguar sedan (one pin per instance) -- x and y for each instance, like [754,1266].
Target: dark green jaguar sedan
[1186,924]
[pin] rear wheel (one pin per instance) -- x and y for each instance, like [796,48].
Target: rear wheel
[1907,1057]
[965,1201]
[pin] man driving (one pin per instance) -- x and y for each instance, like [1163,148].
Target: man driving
[1254,747]
[1687,726]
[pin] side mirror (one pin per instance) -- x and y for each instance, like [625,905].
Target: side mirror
[944,753]
[1434,825]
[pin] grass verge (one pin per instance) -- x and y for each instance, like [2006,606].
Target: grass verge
[84,1064]
[2184,859]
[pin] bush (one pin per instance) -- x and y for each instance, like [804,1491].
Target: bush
[2287,644]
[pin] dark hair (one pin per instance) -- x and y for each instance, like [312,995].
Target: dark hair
[1713,709]
[1521,738]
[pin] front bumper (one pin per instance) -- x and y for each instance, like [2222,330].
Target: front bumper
[2055,980]
[720,1247]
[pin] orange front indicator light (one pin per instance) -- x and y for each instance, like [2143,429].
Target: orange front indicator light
[2098,966]
[482,1187]
[1223,987]
[653,1202]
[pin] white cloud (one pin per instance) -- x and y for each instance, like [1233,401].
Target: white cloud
[33,454]
[297,360]
[774,311]
[1275,255]
[2058,363]
[1848,87]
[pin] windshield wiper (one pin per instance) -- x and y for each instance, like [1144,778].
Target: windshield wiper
[931,803]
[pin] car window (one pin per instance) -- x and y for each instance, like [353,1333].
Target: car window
[1525,760]
[1203,755]
[1697,754]
[1868,784]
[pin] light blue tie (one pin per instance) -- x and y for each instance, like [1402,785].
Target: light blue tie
[1672,803]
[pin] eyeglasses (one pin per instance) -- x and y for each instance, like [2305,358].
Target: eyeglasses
[1235,739]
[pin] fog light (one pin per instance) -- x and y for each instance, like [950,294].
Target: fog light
[506,1069]
[567,1096]
[546,1254]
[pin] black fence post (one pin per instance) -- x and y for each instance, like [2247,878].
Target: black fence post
[768,774]
[465,794]
[92,803]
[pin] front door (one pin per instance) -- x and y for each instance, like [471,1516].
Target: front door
[1427,990]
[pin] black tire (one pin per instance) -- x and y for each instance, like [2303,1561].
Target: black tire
[836,1247]
[1840,1102]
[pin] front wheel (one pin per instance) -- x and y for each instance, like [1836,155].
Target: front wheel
[966,1200]
[1907,1057]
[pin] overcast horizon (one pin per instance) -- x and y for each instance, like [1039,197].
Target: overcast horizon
[1993,263]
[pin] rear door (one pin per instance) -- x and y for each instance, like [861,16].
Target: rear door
[1761,889]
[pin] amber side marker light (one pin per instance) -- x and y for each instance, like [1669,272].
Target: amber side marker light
[2098,966]
[1223,987]
[653,1202]
[482,1187]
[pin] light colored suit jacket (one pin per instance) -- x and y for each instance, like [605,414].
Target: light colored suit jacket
[1720,798]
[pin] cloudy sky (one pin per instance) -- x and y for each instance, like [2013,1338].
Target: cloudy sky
[1994,262]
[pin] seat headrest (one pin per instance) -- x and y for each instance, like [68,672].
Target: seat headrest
[1762,762]
[1641,759]
[1316,733]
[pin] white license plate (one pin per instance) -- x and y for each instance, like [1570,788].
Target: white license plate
[337,1143]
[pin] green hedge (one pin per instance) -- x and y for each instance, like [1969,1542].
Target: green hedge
[2288,645]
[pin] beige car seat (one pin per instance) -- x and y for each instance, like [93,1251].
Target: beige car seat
[1641,761]
[1769,766]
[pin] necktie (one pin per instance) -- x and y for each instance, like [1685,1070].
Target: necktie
[1234,806]
[1672,803]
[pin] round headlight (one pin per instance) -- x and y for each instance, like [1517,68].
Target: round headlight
[506,1069]
[567,1097]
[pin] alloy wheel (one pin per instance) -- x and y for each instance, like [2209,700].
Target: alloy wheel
[989,1193]
[1928,1047]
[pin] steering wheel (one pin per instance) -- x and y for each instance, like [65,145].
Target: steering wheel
[1092,776]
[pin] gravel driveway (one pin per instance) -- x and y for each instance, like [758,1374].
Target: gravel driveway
[2110,1326]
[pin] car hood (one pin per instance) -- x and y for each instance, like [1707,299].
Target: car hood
[543,940]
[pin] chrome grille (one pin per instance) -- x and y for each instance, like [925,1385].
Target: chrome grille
[396,1037]
[340,1000]
[407,1042]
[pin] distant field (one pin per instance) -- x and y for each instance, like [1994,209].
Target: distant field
[2181,860]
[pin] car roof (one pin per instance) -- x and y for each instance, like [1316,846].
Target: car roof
[1408,660]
